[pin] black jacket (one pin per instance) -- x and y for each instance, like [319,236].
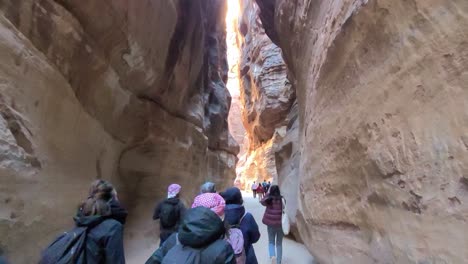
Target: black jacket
[174,201]
[104,242]
[118,213]
[200,229]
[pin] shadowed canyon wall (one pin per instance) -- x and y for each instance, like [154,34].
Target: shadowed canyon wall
[131,91]
[379,148]
[266,95]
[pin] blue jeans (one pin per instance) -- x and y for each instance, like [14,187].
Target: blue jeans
[275,233]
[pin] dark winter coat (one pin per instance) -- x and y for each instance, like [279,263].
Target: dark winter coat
[105,233]
[273,212]
[248,226]
[200,229]
[180,206]
[117,211]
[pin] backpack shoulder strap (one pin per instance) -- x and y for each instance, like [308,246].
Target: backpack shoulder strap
[242,218]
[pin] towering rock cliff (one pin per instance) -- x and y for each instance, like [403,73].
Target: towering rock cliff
[131,91]
[382,152]
[266,95]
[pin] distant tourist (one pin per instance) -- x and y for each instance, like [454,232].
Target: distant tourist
[235,215]
[267,188]
[254,189]
[208,187]
[169,212]
[272,218]
[97,237]
[260,192]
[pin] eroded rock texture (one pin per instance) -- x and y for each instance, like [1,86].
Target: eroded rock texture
[383,121]
[131,91]
[266,94]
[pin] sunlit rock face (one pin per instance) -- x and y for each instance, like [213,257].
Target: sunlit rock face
[130,91]
[383,120]
[266,96]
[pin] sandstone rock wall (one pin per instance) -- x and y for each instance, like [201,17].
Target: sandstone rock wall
[383,120]
[266,95]
[131,91]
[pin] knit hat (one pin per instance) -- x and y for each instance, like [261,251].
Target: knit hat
[212,201]
[173,190]
[232,196]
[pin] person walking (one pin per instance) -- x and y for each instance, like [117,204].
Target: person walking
[272,219]
[254,189]
[97,237]
[235,215]
[260,192]
[169,212]
[118,212]
[200,238]
[208,187]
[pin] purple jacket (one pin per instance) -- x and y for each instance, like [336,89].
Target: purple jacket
[273,212]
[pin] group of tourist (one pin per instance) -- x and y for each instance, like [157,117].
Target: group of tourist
[260,189]
[216,229]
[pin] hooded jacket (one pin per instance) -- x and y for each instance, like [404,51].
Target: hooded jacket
[234,212]
[104,242]
[203,230]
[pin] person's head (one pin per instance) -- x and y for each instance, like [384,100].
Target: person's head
[100,193]
[173,190]
[232,196]
[269,182]
[264,180]
[200,227]
[211,201]
[275,191]
[208,187]
[101,189]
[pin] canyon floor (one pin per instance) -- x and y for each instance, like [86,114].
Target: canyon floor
[293,252]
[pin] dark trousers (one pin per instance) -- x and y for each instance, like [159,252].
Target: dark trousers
[254,193]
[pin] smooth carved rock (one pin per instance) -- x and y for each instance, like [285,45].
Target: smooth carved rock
[131,91]
[382,98]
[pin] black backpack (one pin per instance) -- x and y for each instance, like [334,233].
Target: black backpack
[67,248]
[169,214]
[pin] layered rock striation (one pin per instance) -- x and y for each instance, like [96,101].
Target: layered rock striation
[266,94]
[130,91]
[382,152]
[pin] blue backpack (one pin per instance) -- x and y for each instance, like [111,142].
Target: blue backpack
[68,248]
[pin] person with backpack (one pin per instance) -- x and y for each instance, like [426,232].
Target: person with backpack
[237,217]
[200,238]
[254,189]
[169,212]
[97,237]
[272,219]
[118,212]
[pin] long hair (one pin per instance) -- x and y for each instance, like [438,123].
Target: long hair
[274,194]
[275,191]
[97,203]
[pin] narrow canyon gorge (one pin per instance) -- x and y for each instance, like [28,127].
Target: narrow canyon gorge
[357,109]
